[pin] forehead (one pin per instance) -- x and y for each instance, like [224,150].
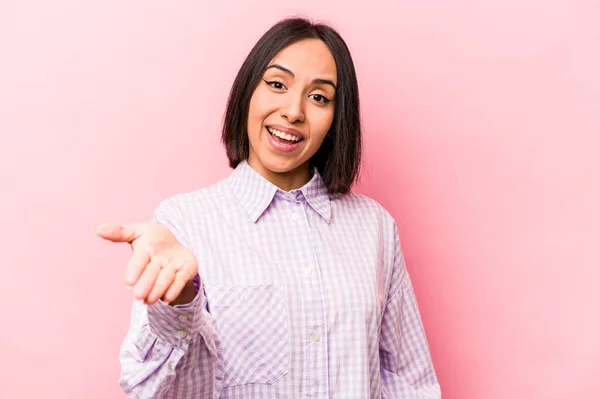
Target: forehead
[310,57]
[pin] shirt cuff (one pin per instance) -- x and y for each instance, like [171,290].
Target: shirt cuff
[177,324]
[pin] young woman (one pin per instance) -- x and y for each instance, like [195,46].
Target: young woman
[277,281]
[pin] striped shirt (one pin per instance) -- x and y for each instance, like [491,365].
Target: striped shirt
[300,294]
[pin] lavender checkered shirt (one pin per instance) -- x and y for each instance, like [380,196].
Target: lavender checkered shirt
[301,295]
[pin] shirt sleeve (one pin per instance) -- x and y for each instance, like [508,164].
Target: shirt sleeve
[406,367]
[170,351]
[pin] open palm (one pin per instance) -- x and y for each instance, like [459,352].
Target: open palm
[160,266]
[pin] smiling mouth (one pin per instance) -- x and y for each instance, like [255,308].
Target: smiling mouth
[284,136]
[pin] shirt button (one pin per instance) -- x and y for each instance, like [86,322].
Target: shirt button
[308,271]
[294,216]
[315,338]
[182,334]
[182,317]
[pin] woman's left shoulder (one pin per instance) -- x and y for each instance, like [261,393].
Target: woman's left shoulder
[363,205]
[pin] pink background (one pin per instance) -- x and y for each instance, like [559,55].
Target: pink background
[482,129]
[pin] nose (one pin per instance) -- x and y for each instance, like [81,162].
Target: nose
[293,109]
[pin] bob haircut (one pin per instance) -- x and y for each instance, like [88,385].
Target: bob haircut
[338,159]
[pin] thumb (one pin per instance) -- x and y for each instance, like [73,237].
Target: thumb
[120,232]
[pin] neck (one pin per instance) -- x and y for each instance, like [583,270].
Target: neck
[286,181]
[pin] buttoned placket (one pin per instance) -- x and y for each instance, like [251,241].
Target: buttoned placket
[315,371]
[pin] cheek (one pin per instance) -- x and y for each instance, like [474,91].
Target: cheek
[259,106]
[254,117]
[325,119]
[252,109]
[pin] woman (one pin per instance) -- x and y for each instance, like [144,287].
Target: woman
[277,281]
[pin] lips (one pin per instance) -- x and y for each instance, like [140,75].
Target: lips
[282,144]
[284,133]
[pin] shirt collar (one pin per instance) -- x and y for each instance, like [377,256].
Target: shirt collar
[255,193]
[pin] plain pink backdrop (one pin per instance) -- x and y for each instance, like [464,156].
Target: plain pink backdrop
[482,132]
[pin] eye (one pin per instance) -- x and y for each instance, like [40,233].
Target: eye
[320,98]
[275,84]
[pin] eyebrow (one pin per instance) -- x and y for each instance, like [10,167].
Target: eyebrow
[315,81]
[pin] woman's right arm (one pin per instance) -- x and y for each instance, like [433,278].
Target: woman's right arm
[170,351]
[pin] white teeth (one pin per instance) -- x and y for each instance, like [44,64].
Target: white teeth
[283,135]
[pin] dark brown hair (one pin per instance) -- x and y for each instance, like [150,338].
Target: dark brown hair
[338,159]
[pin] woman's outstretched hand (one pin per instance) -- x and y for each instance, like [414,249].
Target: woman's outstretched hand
[160,266]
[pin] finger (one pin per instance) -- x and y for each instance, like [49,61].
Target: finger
[147,279]
[163,282]
[137,263]
[176,287]
[120,232]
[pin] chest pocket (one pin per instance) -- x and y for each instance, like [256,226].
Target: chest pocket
[252,327]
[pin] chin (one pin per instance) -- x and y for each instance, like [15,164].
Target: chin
[280,166]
